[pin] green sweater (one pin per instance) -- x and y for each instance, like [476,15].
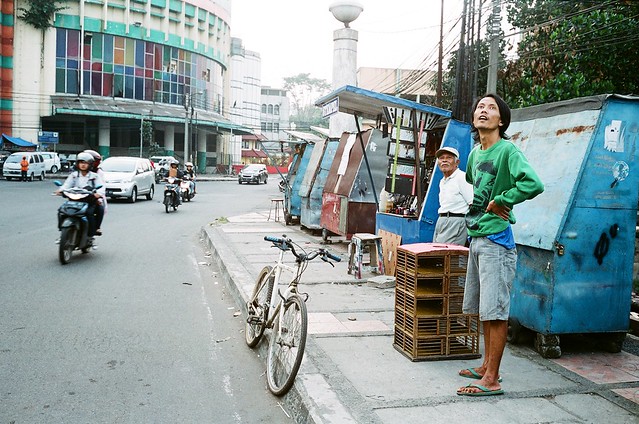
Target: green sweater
[500,173]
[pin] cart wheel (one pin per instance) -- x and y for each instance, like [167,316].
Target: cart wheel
[325,235]
[288,218]
[547,345]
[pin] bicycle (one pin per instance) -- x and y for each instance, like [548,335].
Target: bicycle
[284,313]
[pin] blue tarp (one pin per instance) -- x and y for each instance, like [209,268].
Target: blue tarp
[17,141]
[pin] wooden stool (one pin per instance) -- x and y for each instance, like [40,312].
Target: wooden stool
[277,205]
[365,243]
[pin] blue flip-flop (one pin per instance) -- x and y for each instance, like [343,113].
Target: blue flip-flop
[483,391]
[473,374]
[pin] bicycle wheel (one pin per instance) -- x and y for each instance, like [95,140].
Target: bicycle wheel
[257,307]
[286,347]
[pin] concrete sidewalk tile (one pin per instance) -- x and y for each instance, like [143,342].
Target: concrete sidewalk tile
[602,368]
[365,326]
[631,393]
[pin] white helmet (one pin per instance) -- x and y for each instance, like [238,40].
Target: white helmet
[188,164]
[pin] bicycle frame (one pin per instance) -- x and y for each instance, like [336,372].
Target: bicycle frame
[278,298]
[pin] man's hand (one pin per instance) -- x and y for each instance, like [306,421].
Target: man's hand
[499,210]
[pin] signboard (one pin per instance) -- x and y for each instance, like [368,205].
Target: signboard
[330,108]
[48,137]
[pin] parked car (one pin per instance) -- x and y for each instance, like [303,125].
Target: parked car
[51,162]
[3,156]
[67,162]
[161,165]
[128,177]
[11,168]
[253,173]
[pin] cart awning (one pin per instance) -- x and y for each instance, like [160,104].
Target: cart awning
[19,142]
[369,104]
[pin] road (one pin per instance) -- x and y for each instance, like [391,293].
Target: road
[138,330]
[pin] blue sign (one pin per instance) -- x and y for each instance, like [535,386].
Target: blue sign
[48,137]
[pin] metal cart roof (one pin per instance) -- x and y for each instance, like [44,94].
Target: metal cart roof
[370,104]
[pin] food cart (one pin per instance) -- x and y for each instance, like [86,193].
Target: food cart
[412,133]
[292,200]
[314,181]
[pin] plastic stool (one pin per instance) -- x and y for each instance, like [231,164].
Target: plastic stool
[361,242]
[277,205]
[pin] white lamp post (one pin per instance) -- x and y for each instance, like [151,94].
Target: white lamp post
[344,61]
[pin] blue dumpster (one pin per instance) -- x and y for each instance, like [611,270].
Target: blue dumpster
[576,240]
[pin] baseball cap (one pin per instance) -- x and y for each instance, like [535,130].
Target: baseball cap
[450,150]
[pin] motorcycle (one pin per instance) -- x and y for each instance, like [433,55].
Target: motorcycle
[171,194]
[186,190]
[73,223]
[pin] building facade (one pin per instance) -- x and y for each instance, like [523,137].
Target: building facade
[105,67]
[275,113]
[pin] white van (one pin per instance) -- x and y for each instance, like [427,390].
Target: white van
[51,162]
[11,168]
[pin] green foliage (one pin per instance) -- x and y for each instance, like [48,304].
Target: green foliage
[40,13]
[572,49]
[303,90]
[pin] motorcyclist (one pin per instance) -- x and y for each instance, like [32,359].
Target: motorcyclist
[83,177]
[190,173]
[101,205]
[175,172]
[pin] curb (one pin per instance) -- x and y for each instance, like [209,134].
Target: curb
[297,401]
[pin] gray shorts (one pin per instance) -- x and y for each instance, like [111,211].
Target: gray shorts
[489,277]
[450,230]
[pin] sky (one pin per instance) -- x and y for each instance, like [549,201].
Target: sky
[296,36]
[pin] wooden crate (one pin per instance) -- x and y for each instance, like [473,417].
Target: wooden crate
[429,293]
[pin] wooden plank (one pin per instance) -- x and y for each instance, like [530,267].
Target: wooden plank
[390,242]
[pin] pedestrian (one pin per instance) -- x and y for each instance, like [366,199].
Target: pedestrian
[24,169]
[501,177]
[455,197]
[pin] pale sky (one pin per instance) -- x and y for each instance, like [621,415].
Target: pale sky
[296,36]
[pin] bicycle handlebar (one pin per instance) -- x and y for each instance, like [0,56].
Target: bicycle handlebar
[286,244]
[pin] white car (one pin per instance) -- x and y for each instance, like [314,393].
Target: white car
[128,177]
[51,162]
[11,168]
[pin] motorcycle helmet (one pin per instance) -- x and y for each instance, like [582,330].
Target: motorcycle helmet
[84,157]
[188,165]
[174,162]
[97,158]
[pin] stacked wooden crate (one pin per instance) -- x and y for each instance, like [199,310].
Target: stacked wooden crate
[429,322]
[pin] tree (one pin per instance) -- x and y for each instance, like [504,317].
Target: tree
[40,16]
[303,91]
[572,49]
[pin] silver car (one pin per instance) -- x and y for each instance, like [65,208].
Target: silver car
[128,177]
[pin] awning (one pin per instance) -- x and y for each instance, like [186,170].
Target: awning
[304,136]
[17,141]
[369,104]
[252,153]
[109,107]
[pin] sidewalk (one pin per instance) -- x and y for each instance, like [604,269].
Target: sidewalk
[352,374]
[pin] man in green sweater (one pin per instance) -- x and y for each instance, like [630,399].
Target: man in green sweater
[501,178]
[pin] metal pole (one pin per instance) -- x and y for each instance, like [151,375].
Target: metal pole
[441,57]
[186,126]
[491,86]
[141,133]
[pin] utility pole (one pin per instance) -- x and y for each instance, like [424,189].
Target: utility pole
[141,133]
[461,70]
[441,58]
[491,86]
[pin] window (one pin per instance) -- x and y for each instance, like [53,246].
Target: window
[263,108]
[276,126]
[263,126]
[276,109]
[270,109]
